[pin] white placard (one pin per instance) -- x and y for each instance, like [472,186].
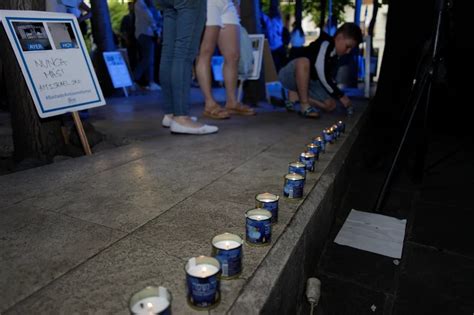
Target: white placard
[217,62]
[373,232]
[257,45]
[54,61]
[118,69]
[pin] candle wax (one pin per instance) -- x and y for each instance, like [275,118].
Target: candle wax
[227,244]
[202,270]
[150,305]
[258,217]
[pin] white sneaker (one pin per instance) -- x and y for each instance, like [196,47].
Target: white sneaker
[167,119]
[203,130]
[153,87]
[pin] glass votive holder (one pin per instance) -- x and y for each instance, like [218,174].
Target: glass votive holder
[268,201]
[293,186]
[258,227]
[202,280]
[227,248]
[151,301]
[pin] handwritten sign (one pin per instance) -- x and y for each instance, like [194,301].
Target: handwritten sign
[54,61]
[118,69]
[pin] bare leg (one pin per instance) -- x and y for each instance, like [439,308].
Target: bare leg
[302,83]
[229,43]
[328,105]
[302,79]
[293,96]
[203,63]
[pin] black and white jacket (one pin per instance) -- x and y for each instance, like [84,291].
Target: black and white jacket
[323,61]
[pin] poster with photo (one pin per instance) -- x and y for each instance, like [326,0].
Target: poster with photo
[118,69]
[257,45]
[54,61]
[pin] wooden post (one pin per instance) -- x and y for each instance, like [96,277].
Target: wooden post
[81,133]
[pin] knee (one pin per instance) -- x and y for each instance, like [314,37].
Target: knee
[232,57]
[302,63]
[205,54]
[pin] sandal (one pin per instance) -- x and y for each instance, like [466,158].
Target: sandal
[241,109]
[290,106]
[216,112]
[310,112]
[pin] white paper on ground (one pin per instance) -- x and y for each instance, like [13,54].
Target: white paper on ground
[373,232]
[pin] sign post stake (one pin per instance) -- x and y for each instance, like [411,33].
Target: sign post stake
[125,91]
[81,132]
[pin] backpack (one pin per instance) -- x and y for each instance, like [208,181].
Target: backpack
[246,60]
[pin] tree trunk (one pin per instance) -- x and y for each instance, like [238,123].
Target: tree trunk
[103,37]
[298,12]
[33,137]
[322,19]
[101,26]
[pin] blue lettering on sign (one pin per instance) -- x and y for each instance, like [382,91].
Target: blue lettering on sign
[35,46]
[66,45]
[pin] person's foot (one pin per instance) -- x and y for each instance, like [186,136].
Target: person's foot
[240,109]
[307,111]
[168,118]
[185,125]
[214,111]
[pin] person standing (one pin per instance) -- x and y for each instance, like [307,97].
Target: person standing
[127,34]
[183,23]
[146,32]
[222,29]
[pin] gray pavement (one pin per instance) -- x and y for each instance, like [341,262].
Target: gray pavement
[82,235]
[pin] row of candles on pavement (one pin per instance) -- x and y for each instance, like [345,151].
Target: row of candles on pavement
[203,273]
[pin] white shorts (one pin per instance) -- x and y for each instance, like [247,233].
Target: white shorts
[220,12]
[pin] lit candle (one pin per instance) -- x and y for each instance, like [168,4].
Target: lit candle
[227,245]
[227,248]
[258,227]
[308,159]
[150,301]
[202,279]
[293,186]
[259,217]
[202,270]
